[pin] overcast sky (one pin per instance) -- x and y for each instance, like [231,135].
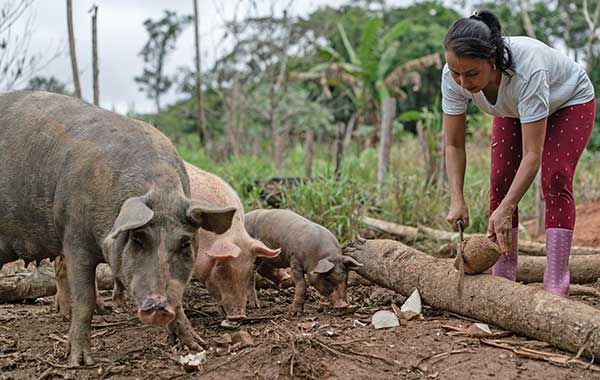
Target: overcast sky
[121,36]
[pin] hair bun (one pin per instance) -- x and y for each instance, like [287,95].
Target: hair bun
[489,18]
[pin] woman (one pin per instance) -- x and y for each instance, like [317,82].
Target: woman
[544,106]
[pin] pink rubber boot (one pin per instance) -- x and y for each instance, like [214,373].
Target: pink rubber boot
[558,248]
[506,266]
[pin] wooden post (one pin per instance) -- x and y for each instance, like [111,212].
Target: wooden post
[74,68]
[385,140]
[95,71]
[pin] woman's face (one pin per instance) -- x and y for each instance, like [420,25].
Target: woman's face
[472,74]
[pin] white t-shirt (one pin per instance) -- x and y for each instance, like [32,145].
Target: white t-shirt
[544,81]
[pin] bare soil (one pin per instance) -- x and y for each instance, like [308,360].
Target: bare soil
[587,226]
[318,345]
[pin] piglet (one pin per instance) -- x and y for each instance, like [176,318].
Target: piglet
[308,248]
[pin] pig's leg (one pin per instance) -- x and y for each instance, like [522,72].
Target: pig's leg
[252,297]
[81,272]
[181,328]
[62,299]
[300,289]
[118,295]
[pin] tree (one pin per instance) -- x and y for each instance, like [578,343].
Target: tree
[72,51]
[592,22]
[162,38]
[17,63]
[202,133]
[50,84]
[375,75]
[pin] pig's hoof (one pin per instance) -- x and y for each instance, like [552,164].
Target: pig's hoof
[81,358]
[188,337]
[254,304]
[63,308]
[296,311]
[118,299]
[101,309]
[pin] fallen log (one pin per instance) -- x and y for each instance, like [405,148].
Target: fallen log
[41,282]
[525,310]
[409,235]
[583,269]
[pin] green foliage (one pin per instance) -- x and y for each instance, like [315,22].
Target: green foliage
[50,84]
[162,36]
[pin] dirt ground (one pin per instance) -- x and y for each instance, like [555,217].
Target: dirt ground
[319,345]
[587,226]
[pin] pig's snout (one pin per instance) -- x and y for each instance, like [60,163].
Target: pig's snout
[338,297]
[156,310]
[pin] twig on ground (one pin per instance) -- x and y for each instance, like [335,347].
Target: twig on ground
[47,373]
[552,358]
[58,338]
[113,324]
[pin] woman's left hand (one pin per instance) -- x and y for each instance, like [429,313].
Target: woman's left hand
[500,227]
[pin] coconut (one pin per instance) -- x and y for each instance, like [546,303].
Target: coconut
[479,254]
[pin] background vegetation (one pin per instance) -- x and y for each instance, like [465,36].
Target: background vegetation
[351,82]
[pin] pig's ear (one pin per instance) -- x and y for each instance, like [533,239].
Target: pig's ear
[323,266]
[259,249]
[223,249]
[350,263]
[134,213]
[217,220]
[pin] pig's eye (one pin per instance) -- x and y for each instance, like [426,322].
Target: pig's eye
[138,238]
[185,243]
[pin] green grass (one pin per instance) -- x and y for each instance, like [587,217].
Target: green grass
[338,204]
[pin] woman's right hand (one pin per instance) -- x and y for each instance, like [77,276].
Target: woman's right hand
[458,210]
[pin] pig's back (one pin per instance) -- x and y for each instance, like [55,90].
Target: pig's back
[212,189]
[209,188]
[294,234]
[64,161]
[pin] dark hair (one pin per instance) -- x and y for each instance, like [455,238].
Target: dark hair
[480,36]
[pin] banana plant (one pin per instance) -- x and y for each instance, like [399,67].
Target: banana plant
[375,76]
[372,70]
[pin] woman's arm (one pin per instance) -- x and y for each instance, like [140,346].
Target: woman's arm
[456,162]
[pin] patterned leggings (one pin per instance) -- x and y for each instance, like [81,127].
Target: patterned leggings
[568,132]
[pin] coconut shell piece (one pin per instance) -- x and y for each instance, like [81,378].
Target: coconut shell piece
[479,254]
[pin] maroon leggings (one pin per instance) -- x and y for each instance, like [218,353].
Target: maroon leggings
[567,134]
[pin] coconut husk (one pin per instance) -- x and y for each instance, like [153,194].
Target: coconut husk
[479,254]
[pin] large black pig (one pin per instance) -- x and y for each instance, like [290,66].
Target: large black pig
[96,187]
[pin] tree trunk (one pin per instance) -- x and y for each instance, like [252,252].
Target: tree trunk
[41,283]
[339,148]
[95,71]
[349,130]
[74,68]
[442,163]
[523,309]
[309,152]
[280,143]
[231,120]
[527,25]
[202,133]
[385,143]
[592,26]
[408,234]
[427,159]
[583,269]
